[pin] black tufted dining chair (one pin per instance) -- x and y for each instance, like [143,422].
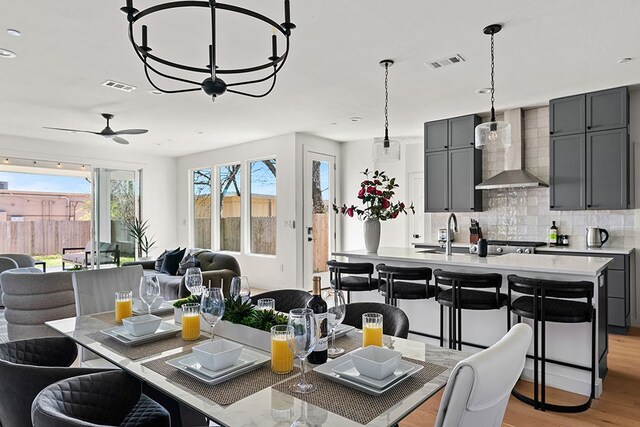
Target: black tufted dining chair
[395,322]
[286,299]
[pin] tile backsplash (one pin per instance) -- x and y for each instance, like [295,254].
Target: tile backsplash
[523,214]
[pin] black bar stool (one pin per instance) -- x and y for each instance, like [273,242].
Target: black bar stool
[404,283]
[553,301]
[463,295]
[352,277]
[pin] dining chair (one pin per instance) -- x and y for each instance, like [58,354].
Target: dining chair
[6,264]
[352,277]
[111,398]
[394,321]
[286,299]
[27,367]
[479,387]
[23,260]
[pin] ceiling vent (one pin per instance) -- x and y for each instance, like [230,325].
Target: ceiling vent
[119,86]
[444,62]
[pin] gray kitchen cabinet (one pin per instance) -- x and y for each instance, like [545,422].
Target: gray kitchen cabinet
[589,151]
[607,109]
[463,175]
[453,167]
[435,186]
[608,169]
[567,115]
[567,172]
[436,136]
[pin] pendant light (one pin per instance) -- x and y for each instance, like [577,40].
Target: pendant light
[493,132]
[385,149]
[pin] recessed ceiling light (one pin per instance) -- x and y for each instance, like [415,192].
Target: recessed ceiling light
[355,119]
[14,32]
[623,60]
[484,90]
[155,92]
[200,132]
[5,53]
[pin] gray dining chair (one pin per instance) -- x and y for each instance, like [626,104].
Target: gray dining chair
[23,260]
[27,367]
[6,263]
[479,387]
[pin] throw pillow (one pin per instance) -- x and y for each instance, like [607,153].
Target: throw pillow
[188,262]
[172,262]
[160,259]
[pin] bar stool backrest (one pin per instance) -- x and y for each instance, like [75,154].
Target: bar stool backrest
[350,267]
[550,288]
[404,273]
[468,280]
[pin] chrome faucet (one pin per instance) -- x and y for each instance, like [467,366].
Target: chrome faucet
[450,231]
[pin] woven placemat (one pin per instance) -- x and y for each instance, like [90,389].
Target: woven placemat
[348,343]
[355,404]
[227,392]
[143,350]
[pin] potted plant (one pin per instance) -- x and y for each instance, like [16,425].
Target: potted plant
[376,194]
[138,231]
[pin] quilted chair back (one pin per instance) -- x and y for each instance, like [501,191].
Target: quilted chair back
[286,299]
[23,260]
[394,321]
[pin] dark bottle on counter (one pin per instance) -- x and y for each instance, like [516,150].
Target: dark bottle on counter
[319,307]
[553,234]
[482,248]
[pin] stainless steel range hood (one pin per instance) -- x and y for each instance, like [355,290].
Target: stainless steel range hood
[514,175]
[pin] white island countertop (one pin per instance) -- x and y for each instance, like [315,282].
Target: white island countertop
[606,249]
[590,266]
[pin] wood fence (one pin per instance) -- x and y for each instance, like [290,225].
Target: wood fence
[43,237]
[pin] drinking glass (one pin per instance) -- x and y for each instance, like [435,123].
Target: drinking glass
[149,290]
[266,304]
[193,280]
[240,288]
[281,354]
[190,321]
[336,310]
[124,302]
[302,338]
[372,329]
[212,306]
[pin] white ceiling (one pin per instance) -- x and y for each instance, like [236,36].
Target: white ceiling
[69,47]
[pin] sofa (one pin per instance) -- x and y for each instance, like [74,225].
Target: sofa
[216,267]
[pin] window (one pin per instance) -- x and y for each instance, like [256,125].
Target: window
[263,207]
[201,181]
[230,207]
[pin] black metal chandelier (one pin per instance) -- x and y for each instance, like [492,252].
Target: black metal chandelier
[212,85]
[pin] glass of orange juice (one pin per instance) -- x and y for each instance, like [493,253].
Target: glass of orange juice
[190,321]
[372,329]
[124,302]
[281,354]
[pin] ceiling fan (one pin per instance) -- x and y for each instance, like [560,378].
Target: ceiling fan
[107,132]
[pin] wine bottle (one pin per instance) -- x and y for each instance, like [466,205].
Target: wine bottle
[319,307]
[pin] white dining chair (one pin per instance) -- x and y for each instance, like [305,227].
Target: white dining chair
[94,292]
[479,387]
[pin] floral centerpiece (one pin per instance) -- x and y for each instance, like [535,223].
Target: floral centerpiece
[376,194]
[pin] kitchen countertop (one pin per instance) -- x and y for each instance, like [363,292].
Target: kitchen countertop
[580,266]
[614,250]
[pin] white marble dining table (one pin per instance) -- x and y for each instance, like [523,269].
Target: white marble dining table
[268,407]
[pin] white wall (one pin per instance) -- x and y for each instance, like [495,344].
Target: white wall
[284,270]
[158,175]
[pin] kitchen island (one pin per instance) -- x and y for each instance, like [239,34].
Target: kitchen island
[565,342]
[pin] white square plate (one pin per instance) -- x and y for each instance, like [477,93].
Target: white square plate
[165,308]
[342,330]
[326,370]
[260,359]
[165,330]
[191,362]
[348,370]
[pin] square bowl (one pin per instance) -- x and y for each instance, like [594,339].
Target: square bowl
[376,362]
[218,354]
[142,325]
[142,306]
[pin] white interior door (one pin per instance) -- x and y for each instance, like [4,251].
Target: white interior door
[416,222]
[319,220]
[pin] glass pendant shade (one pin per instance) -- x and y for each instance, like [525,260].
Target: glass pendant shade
[494,133]
[385,152]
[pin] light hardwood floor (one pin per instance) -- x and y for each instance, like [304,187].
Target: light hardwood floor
[619,404]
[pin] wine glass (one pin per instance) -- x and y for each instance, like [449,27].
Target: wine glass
[193,280]
[212,306]
[302,337]
[240,288]
[149,290]
[336,310]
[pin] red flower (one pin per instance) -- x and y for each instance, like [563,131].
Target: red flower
[385,203]
[371,190]
[361,193]
[378,192]
[350,212]
[343,210]
[377,182]
[401,205]
[394,215]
